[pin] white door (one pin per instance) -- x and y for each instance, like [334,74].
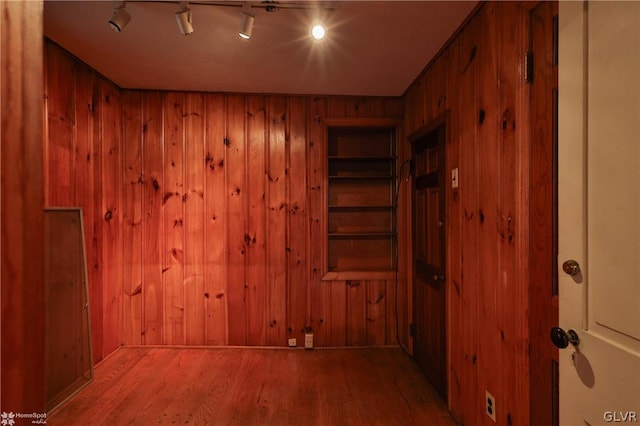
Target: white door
[599,210]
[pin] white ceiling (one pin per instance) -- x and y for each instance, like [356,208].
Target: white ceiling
[374,48]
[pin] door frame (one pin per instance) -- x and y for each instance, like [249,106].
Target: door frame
[543,197]
[440,120]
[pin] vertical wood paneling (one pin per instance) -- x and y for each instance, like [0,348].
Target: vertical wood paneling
[469,117]
[376,313]
[401,309]
[415,114]
[222,219]
[255,235]
[153,175]
[194,219]
[356,313]
[83,161]
[316,173]
[508,213]
[436,88]
[297,272]
[479,77]
[88,187]
[96,248]
[489,189]
[453,229]
[337,106]
[376,107]
[394,107]
[84,155]
[276,221]
[111,142]
[236,220]
[173,198]
[393,312]
[337,326]
[132,216]
[60,116]
[216,296]
[22,201]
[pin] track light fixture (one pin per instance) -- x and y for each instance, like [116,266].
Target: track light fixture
[183,18]
[120,17]
[318,31]
[246,23]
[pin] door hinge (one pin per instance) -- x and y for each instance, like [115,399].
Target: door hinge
[412,330]
[528,67]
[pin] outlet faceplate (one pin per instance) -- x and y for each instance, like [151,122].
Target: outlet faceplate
[308,341]
[490,405]
[292,343]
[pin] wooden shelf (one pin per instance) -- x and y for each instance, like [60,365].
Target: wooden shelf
[360,158]
[361,202]
[362,207]
[369,274]
[362,177]
[361,235]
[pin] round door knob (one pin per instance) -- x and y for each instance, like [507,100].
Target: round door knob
[561,339]
[571,267]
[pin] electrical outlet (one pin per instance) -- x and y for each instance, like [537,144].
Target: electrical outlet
[308,341]
[490,404]
[293,343]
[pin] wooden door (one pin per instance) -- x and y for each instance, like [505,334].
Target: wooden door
[543,291]
[429,344]
[599,212]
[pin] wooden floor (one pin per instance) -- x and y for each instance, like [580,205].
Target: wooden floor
[238,386]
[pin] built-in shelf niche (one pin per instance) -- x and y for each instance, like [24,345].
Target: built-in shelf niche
[361,198]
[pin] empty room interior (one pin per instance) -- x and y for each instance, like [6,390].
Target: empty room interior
[213,214]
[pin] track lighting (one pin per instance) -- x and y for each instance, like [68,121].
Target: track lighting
[246,24]
[120,17]
[183,18]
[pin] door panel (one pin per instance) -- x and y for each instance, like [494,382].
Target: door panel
[599,210]
[429,295]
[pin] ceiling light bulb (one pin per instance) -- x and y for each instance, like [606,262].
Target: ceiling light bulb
[183,18]
[120,18]
[246,25]
[318,31]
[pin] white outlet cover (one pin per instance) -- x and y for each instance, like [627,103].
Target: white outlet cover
[490,405]
[308,341]
[293,343]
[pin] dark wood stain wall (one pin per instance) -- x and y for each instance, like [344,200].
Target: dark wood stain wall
[478,79]
[205,213]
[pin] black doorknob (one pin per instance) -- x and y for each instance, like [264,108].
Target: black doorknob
[561,339]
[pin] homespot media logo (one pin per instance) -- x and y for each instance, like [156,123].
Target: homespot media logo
[9,419]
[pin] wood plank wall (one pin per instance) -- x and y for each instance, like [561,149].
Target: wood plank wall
[22,218]
[205,214]
[226,194]
[478,80]
[83,163]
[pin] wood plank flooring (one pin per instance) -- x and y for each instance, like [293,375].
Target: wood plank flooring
[255,386]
